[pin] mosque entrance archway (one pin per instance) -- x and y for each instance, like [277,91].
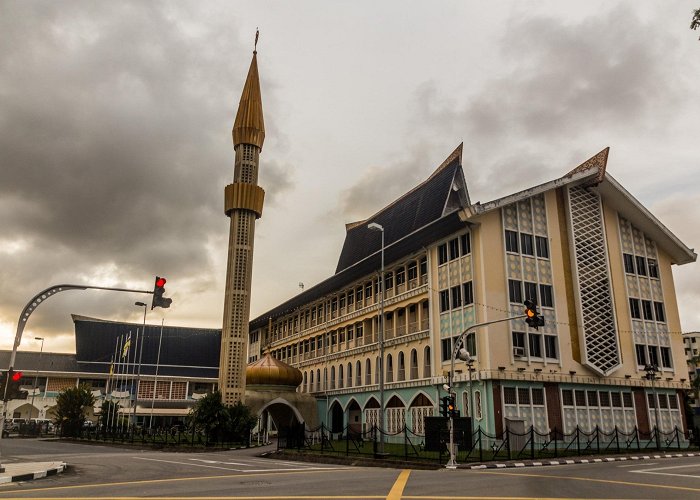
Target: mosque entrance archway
[336,417]
[287,420]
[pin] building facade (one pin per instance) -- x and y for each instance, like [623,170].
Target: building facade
[595,260]
[156,378]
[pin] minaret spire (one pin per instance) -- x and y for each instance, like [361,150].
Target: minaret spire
[243,203]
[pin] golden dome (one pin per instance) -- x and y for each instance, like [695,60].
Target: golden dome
[270,371]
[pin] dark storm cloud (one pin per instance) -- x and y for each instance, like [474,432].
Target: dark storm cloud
[380,185]
[561,83]
[113,120]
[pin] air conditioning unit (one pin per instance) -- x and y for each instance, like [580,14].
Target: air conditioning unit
[518,352]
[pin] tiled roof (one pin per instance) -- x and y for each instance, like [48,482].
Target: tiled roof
[419,207]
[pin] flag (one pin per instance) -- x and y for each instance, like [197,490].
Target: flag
[125,349]
[111,369]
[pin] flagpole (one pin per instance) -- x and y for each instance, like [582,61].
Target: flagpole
[125,373]
[134,382]
[155,383]
[110,382]
[119,382]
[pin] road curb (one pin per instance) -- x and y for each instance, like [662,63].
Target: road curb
[570,461]
[30,476]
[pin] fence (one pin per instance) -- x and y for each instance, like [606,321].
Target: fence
[408,446]
[162,438]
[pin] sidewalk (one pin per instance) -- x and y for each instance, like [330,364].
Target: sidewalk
[27,471]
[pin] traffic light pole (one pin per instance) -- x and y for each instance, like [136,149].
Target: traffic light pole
[24,317]
[452,462]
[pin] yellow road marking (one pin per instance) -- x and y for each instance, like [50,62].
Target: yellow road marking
[397,490]
[177,479]
[607,481]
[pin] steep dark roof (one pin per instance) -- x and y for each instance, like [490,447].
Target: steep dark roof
[419,207]
[184,352]
[427,213]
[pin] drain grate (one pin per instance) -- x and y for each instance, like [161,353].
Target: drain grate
[255,483]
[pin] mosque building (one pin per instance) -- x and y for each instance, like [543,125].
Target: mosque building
[596,261]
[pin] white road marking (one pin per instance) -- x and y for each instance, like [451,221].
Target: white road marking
[638,465]
[239,470]
[657,469]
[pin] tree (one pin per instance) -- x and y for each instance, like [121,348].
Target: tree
[695,23]
[72,405]
[211,415]
[242,422]
[109,413]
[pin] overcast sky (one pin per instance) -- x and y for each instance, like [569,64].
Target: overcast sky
[115,133]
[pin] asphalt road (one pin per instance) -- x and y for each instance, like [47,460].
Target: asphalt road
[106,472]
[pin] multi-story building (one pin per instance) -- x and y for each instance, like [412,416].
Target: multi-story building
[596,261]
[171,366]
[692,353]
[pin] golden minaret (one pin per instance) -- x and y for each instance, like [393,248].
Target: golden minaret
[243,205]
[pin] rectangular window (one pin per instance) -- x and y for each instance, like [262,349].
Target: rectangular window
[444,300]
[542,247]
[456,292]
[653,268]
[666,357]
[592,398]
[467,293]
[519,339]
[653,355]
[358,295]
[351,333]
[351,299]
[629,263]
[616,399]
[509,396]
[537,397]
[526,246]
[511,241]
[531,291]
[546,299]
[400,276]
[341,336]
[634,309]
[412,271]
[466,244]
[446,345]
[605,399]
[641,354]
[567,397]
[627,399]
[389,281]
[646,309]
[535,345]
[580,399]
[550,346]
[659,312]
[442,254]
[641,265]
[423,266]
[523,395]
[515,291]
[454,248]
[368,290]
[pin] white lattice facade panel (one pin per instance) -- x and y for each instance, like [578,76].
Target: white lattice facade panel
[588,408]
[418,414]
[601,350]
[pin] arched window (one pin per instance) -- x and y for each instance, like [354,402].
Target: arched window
[389,369]
[341,380]
[312,388]
[325,379]
[358,373]
[426,362]
[318,380]
[414,364]
[368,372]
[332,377]
[349,374]
[377,370]
[401,375]
[304,387]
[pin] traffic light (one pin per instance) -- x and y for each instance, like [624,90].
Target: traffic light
[158,291]
[444,403]
[451,407]
[534,320]
[12,379]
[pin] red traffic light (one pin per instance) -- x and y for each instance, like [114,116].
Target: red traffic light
[530,313]
[160,282]
[16,376]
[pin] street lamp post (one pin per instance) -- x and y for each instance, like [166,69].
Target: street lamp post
[138,374]
[651,371]
[36,376]
[377,227]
